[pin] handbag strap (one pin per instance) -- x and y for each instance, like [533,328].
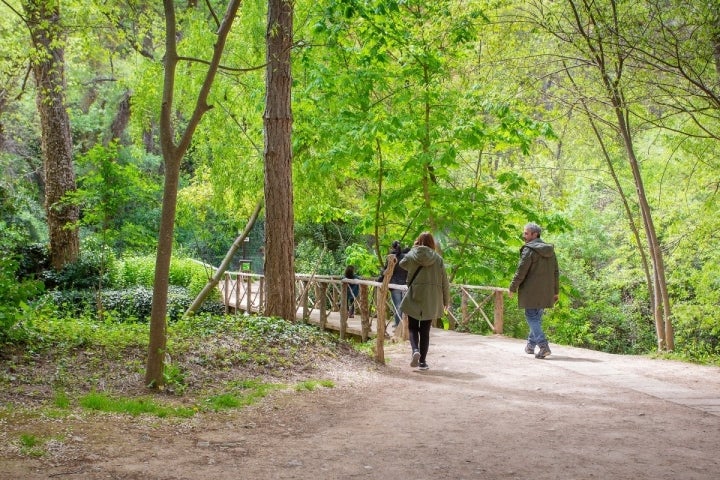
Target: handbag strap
[414,275]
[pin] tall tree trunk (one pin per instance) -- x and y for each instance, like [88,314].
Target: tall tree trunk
[277,119]
[172,156]
[43,18]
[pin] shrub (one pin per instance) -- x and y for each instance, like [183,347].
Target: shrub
[95,267]
[14,296]
[130,304]
[184,272]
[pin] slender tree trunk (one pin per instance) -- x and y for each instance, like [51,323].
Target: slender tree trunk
[172,156]
[279,224]
[43,18]
[662,303]
[213,282]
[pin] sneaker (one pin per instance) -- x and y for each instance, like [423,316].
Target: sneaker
[415,359]
[423,366]
[530,350]
[544,352]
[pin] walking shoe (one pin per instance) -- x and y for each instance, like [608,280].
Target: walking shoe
[423,366]
[415,359]
[529,350]
[544,352]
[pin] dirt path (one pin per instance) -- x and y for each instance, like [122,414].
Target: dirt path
[485,410]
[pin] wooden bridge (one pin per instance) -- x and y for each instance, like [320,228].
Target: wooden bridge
[322,300]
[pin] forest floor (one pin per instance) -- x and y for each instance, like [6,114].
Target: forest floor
[484,410]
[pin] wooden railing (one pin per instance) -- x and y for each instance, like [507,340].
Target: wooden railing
[320,295]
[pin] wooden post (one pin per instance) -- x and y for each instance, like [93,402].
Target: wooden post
[499,312]
[381,299]
[226,293]
[322,288]
[248,292]
[261,296]
[364,313]
[464,307]
[238,282]
[305,298]
[343,309]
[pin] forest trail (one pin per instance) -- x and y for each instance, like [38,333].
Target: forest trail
[484,410]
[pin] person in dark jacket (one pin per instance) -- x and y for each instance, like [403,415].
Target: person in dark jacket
[537,281]
[428,295]
[398,277]
[353,290]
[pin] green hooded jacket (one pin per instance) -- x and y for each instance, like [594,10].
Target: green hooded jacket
[537,279]
[429,292]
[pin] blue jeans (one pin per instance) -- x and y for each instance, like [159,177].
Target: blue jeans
[397,296]
[534,321]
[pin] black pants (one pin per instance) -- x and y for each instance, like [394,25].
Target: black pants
[419,336]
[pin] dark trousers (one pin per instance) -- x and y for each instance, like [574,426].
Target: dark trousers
[419,336]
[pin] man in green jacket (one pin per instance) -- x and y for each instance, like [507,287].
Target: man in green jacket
[537,281]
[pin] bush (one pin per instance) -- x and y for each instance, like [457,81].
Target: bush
[131,304]
[14,296]
[94,268]
[184,272]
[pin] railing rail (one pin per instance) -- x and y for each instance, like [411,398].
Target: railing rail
[322,294]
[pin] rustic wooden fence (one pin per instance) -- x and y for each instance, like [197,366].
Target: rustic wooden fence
[322,300]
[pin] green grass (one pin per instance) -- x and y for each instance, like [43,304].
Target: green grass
[132,406]
[311,385]
[32,445]
[242,393]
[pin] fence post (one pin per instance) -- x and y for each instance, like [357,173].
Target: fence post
[464,307]
[305,301]
[238,282]
[248,292]
[226,293]
[364,313]
[322,288]
[343,309]
[499,312]
[261,296]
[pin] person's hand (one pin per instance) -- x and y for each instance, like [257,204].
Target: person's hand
[510,294]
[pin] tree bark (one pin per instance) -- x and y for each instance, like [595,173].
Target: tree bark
[43,19]
[277,119]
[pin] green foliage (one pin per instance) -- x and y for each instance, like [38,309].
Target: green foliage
[697,332]
[47,329]
[133,304]
[15,295]
[93,269]
[184,272]
[110,186]
[364,262]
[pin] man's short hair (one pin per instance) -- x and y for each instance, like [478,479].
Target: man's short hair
[534,227]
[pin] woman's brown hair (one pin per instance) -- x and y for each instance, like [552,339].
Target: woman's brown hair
[426,239]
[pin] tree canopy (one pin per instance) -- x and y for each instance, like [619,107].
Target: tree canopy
[598,121]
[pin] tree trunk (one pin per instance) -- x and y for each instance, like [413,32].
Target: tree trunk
[172,156]
[49,71]
[279,224]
